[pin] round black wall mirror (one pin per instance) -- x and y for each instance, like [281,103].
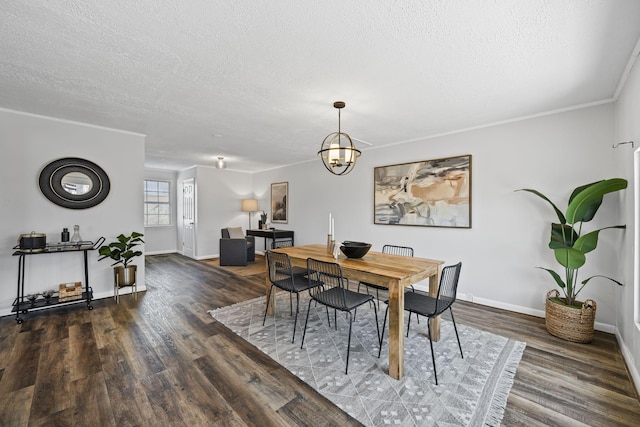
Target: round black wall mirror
[74,183]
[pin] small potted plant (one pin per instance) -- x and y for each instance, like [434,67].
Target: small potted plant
[122,252]
[565,316]
[263,220]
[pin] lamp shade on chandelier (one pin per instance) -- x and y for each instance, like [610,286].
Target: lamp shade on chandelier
[337,151]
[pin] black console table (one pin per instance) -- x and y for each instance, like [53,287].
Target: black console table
[272,234]
[20,306]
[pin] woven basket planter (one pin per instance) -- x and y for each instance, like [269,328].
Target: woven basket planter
[570,323]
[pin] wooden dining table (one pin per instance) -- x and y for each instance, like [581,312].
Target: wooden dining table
[394,272]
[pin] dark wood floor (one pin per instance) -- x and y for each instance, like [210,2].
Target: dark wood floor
[162,360]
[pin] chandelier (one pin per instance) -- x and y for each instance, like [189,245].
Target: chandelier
[337,151]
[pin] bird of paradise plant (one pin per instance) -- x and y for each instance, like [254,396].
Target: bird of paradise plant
[568,243]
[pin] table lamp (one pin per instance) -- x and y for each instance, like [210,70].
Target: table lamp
[249,205]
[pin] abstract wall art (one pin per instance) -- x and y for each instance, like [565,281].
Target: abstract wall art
[431,193]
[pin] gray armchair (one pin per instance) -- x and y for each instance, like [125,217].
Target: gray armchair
[236,248]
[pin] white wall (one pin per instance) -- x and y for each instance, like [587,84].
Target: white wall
[219,193]
[509,234]
[30,142]
[164,239]
[628,129]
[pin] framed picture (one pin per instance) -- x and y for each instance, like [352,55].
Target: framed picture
[279,202]
[430,193]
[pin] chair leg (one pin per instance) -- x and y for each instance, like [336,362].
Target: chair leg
[304,332]
[384,324]
[346,369]
[378,299]
[456,329]
[375,313]
[335,318]
[417,315]
[267,307]
[433,356]
[290,304]
[295,320]
[409,323]
[366,288]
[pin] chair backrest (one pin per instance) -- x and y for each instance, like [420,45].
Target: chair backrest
[330,275]
[280,269]
[448,287]
[232,232]
[397,250]
[282,243]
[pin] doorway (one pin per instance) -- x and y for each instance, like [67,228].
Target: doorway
[188,218]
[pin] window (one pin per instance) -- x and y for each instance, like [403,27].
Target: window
[157,203]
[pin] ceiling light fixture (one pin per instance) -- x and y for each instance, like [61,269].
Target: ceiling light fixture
[221,163]
[337,151]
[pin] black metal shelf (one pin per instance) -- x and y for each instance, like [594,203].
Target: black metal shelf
[21,305]
[40,303]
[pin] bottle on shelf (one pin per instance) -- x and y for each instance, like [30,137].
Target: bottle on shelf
[64,237]
[76,234]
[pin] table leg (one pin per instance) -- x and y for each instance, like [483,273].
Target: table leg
[396,331]
[434,282]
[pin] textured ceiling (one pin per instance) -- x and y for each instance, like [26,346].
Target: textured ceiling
[255,81]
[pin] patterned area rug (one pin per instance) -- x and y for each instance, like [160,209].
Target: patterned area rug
[472,391]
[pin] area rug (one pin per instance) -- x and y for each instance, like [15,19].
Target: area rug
[472,391]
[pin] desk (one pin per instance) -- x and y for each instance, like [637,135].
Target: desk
[271,234]
[394,272]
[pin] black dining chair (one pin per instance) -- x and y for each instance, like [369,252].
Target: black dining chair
[425,305]
[282,243]
[287,243]
[281,276]
[393,250]
[335,294]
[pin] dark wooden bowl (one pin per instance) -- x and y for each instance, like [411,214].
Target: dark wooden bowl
[355,249]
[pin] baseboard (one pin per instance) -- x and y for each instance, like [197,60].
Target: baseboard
[628,358]
[203,257]
[173,251]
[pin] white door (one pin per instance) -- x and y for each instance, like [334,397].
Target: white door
[188,217]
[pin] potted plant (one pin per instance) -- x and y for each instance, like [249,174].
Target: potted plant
[565,316]
[122,252]
[263,220]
